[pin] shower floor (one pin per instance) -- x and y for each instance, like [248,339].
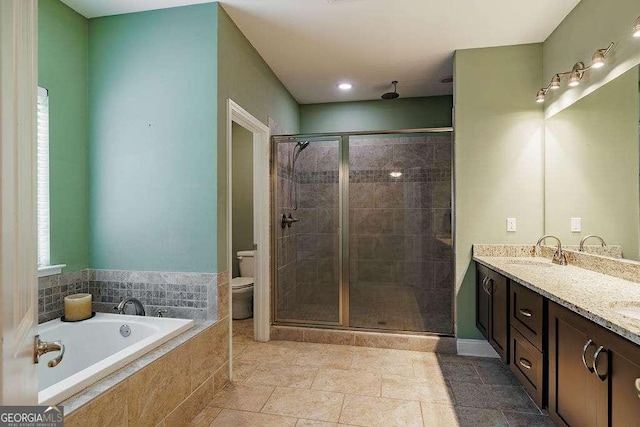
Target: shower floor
[392,308]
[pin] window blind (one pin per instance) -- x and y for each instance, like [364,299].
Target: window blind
[44,222]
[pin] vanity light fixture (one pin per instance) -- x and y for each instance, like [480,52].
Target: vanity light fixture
[577,72]
[636,28]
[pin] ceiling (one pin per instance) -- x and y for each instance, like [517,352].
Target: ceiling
[312,45]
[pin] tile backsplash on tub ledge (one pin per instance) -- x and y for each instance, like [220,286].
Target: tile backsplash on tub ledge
[183,295]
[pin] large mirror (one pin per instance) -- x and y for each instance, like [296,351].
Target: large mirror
[592,167]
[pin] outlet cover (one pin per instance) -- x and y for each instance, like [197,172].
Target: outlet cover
[576,225]
[511,224]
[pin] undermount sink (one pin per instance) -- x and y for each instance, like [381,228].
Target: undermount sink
[530,263]
[627,309]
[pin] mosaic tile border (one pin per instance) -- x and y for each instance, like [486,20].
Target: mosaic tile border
[183,295]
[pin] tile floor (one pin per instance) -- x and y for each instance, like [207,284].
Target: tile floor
[285,383]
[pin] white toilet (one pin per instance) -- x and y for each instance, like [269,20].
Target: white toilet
[242,287]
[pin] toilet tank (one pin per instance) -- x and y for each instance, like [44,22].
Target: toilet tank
[245,263]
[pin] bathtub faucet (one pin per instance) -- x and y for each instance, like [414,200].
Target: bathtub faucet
[135,301]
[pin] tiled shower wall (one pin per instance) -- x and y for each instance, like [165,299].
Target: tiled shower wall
[400,233]
[182,295]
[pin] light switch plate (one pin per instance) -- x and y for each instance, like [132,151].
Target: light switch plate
[576,225]
[511,224]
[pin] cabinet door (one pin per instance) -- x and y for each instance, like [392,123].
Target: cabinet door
[482,300]
[497,286]
[572,387]
[619,370]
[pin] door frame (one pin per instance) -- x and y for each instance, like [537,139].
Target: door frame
[262,283]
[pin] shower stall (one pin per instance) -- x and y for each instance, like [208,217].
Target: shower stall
[363,231]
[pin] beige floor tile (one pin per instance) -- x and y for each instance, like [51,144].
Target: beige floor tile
[283,375]
[382,364]
[348,381]
[243,370]
[434,390]
[242,396]
[313,423]
[438,414]
[272,352]
[204,418]
[308,404]
[380,411]
[232,418]
[326,358]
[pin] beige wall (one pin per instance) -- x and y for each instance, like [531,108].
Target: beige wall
[498,158]
[592,166]
[592,25]
[242,192]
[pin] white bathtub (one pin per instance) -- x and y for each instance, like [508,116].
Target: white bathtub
[95,348]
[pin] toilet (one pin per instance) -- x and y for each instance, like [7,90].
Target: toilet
[242,287]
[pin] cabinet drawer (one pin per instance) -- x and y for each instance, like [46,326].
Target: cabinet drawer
[527,314]
[527,364]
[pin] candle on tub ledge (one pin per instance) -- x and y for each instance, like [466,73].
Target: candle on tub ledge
[77,307]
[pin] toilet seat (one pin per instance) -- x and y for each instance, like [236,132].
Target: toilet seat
[238,283]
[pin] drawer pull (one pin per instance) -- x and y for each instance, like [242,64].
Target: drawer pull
[489,287]
[584,356]
[525,363]
[525,312]
[595,362]
[638,386]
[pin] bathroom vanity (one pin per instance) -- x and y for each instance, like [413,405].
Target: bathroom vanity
[570,335]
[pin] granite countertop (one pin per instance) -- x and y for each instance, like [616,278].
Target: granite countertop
[588,293]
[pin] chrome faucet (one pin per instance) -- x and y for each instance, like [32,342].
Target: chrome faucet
[559,256]
[584,239]
[135,301]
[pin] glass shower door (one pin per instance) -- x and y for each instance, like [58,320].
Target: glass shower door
[400,239]
[308,246]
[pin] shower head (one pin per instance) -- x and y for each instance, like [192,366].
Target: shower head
[394,94]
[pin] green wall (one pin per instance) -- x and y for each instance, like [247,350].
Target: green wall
[242,192]
[152,91]
[402,113]
[62,69]
[244,77]
[592,147]
[592,25]
[498,158]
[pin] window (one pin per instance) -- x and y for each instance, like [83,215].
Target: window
[44,249]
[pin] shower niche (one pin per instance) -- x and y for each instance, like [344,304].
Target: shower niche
[363,231]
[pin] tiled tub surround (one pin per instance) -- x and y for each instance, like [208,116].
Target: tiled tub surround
[165,387]
[588,293]
[182,295]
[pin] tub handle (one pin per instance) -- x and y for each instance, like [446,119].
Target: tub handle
[43,347]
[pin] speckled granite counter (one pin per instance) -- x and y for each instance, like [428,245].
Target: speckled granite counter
[586,292]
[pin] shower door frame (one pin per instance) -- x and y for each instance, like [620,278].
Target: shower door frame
[343,228]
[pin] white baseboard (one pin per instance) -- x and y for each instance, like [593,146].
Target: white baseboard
[477,348]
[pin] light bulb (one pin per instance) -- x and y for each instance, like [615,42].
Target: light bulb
[345,86]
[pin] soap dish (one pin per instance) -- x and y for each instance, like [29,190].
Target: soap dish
[62,319]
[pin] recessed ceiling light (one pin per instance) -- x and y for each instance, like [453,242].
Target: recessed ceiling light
[396,174]
[345,86]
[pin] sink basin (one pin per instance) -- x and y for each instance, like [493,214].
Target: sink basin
[627,309]
[530,263]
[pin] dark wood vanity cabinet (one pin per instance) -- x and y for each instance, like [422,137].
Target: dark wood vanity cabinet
[527,318]
[492,314]
[593,373]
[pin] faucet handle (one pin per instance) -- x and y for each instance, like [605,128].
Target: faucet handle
[161,312]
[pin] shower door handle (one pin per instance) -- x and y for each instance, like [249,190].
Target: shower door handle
[286,221]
